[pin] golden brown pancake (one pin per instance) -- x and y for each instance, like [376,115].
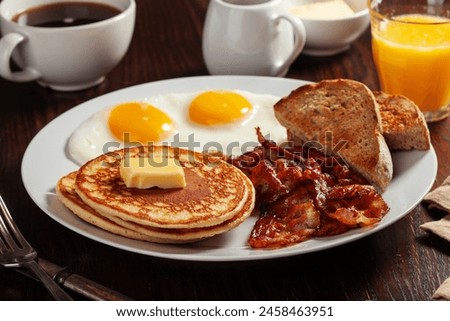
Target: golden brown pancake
[215,192]
[68,196]
[104,184]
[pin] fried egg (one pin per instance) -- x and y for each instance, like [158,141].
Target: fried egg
[210,120]
[219,107]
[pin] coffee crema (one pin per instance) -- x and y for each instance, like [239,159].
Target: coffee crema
[65,14]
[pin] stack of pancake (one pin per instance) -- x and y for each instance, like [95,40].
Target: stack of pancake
[217,197]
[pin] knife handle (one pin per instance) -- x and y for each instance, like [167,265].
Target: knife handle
[88,288]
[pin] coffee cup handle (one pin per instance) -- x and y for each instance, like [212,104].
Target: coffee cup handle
[299,38]
[7,45]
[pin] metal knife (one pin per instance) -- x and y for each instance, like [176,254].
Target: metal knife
[77,283]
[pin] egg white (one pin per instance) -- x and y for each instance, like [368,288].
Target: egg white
[93,137]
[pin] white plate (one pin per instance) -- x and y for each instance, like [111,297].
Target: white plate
[45,161]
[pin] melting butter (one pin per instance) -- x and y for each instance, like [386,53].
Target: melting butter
[143,173]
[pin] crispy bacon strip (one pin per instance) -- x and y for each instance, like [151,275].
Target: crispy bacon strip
[355,205]
[303,194]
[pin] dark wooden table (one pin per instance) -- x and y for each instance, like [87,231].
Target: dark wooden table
[400,262]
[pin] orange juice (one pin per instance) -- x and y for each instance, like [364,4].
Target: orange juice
[412,55]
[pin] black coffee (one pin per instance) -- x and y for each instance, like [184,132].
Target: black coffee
[65,14]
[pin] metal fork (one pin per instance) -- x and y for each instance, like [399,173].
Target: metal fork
[15,251]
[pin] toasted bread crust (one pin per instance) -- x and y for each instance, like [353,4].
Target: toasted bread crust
[331,112]
[404,126]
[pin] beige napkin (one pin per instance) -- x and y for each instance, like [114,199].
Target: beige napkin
[440,198]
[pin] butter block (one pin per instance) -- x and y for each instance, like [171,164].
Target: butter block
[328,9]
[144,172]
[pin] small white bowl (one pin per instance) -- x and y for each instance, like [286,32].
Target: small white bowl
[326,37]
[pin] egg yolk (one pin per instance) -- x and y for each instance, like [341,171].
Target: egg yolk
[139,122]
[219,107]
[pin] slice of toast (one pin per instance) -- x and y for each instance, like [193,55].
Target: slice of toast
[340,117]
[403,124]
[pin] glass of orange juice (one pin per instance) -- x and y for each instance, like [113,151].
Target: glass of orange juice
[411,51]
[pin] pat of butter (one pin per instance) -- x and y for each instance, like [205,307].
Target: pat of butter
[329,9]
[141,172]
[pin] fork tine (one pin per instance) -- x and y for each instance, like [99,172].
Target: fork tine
[25,255]
[7,240]
[2,246]
[7,221]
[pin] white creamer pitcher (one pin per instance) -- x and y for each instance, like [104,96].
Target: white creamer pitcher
[251,37]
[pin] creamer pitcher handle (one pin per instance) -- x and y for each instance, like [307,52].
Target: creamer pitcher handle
[299,42]
[7,45]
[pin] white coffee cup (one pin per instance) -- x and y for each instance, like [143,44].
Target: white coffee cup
[64,58]
[252,37]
